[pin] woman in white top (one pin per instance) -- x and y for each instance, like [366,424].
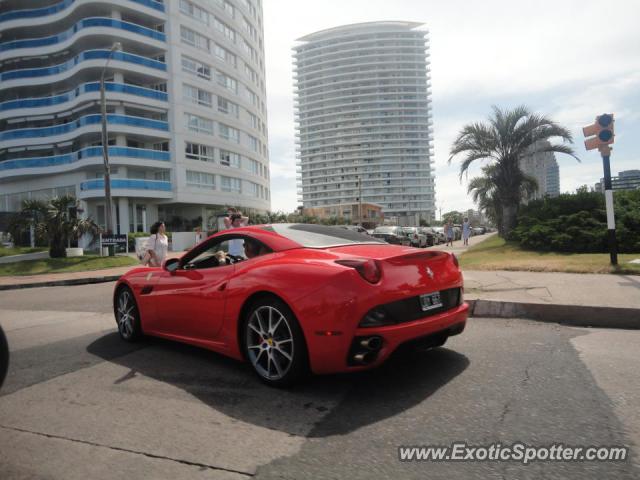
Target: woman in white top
[157,245]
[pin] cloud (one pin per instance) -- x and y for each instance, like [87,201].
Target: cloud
[559,58]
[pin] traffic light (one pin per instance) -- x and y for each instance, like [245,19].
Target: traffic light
[603,131]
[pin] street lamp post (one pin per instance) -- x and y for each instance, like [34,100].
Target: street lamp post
[105,141]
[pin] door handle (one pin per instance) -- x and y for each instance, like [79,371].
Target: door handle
[222,287]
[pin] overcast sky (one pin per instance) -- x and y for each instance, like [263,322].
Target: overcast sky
[570,60]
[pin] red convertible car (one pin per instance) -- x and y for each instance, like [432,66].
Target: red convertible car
[302,297]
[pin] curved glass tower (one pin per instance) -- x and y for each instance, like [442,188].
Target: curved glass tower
[363,113]
[185,95]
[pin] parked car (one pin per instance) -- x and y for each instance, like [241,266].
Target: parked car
[288,307]
[457,232]
[430,234]
[477,231]
[355,228]
[418,239]
[439,231]
[391,234]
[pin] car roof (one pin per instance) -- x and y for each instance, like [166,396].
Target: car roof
[317,236]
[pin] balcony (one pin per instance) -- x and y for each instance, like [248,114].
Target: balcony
[50,10]
[81,25]
[82,89]
[73,160]
[128,187]
[112,119]
[84,56]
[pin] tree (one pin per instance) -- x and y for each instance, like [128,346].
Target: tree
[483,190]
[504,141]
[454,215]
[55,221]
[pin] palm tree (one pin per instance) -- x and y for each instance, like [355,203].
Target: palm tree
[53,221]
[507,138]
[483,191]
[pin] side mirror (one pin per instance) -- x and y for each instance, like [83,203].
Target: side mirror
[171,264]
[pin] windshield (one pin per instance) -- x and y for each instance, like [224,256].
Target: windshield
[320,236]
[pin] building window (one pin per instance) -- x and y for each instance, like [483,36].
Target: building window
[196,151]
[198,124]
[194,11]
[254,144]
[225,30]
[162,175]
[253,120]
[230,184]
[227,82]
[229,133]
[197,96]
[194,39]
[201,180]
[196,68]
[251,73]
[229,159]
[228,107]
[225,55]
[252,166]
[253,189]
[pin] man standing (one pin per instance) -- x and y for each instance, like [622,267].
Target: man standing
[234,219]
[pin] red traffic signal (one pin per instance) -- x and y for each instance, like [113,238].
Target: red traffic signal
[601,132]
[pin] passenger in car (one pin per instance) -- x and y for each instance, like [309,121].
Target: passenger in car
[253,249]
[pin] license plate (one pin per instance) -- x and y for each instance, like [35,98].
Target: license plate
[430,301]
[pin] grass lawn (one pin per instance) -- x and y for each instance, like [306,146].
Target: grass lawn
[61,265]
[4,252]
[496,254]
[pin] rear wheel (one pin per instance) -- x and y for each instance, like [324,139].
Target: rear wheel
[127,315]
[274,343]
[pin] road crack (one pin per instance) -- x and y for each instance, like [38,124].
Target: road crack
[126,450]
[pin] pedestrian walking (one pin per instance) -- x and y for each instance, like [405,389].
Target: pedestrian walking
[156,246]
[448,231]
[466,231]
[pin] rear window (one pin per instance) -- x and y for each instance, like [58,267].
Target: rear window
[320,236]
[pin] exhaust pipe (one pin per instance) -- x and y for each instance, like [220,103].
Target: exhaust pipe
[364,358]
[371,343]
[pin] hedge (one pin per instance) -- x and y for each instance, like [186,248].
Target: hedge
[578,223]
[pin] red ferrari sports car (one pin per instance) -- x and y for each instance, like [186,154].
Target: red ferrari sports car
[302,297]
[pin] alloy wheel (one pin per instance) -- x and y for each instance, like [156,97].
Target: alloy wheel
[270,343]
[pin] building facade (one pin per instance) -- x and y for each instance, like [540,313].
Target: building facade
[185,101]
[363,113]
[626,180]
[542,166]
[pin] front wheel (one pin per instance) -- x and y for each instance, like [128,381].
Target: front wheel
[274,343]
[127,315]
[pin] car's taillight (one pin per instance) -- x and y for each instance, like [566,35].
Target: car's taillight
[367,268]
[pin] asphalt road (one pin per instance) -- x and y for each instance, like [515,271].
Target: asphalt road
[80,403]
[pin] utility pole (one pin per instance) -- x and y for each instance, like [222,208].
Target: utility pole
[360,199]
[105,142]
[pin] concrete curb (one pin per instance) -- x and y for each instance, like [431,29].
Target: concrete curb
[574,315]
[61,283]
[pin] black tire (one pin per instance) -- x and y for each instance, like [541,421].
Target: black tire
[275,348]
[127,315]
[4,356]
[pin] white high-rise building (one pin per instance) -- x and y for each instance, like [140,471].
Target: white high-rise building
[185,95]
[363,113]
[542,166]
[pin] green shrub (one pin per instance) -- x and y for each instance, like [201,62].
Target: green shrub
[578,223]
